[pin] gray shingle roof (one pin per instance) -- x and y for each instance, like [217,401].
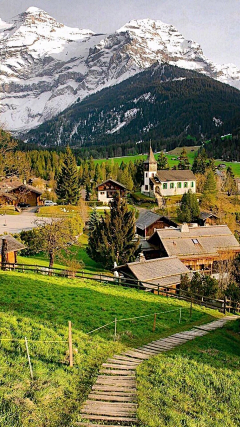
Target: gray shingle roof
[209,240]
[175,175]
[163,271]
[12,244]
[146,219]
[205,215]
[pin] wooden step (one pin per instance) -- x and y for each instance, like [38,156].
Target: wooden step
[110,398]
[127,359]
[108,410]
[87,424]
[103,387]
[118,366]
[109,418]
[116,393]
[112,405]
[121,372]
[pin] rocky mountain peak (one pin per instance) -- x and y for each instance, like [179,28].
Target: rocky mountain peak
[46,66]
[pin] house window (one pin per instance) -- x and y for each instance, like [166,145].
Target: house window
[146,187]
[192,184]
[185,184]
[102,192]
[164,185]
[179,185]
[146,174]
[171,184]
[195,241]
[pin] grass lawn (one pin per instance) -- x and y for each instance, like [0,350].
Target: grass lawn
[39,307]
[79,253]
[195,385]
[58,211]
[172,159]
[8,210]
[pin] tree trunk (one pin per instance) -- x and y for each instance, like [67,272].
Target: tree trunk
[4,254]
[51,259]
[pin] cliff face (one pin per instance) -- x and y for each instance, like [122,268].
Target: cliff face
[46,67]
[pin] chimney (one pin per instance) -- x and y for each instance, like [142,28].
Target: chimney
[184,228]
[141,257]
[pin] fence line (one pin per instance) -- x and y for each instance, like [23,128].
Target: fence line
[209,302]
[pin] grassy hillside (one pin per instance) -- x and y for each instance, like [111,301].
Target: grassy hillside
[39,308]
[195,385]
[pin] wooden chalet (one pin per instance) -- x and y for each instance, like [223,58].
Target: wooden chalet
[12,246]
[207,218]
[7,199]
[148,221]
[199,248]
[28,194]
[155,272]
[107,189]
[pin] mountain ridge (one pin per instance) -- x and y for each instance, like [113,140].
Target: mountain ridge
[47,66]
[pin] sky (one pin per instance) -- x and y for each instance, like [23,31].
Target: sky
[214,24]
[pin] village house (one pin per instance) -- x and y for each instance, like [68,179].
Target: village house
[12,246]
[27,194]
[155,272]
[166,182]
[107,189]
[148,221]
[207,218]
[7,199]
[199,248]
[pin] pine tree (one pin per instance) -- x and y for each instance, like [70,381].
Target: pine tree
[209,190]
[111,239]
[189,208]
[68,182]
[183,161]
[162,161]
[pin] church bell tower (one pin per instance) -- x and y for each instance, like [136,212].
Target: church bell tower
[150,170]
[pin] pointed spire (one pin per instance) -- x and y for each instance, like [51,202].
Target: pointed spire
[151,158]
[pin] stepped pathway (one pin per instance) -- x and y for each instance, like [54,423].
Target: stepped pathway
[113,399]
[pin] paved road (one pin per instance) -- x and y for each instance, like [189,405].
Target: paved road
[26,220]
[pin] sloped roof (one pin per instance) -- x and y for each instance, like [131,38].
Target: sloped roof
[113,181]
[175,175]
[27,188]
[206,215]
[207,240]
[163,271]
[12,244]
[8,196]
[147,218]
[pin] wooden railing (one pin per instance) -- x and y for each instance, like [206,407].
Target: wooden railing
[223,305]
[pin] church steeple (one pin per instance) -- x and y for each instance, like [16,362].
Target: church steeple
[150,170]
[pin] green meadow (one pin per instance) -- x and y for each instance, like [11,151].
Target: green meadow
[195,385]
[172,159]
[39,307]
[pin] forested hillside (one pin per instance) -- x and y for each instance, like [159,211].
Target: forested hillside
[167,104]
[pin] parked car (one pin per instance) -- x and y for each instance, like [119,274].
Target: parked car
[23,205]
[49,203]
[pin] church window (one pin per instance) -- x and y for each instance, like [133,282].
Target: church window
[146,187]
[171,184]
[164,185]
[185,184]
[179,185]
[192,184]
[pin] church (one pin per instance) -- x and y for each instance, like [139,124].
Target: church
[160,183]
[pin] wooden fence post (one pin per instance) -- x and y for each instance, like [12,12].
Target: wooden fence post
[29,360]
[158,290]
[115,328]
[191,306]
[154,322]
[180,315]
[70,344]
[224,304]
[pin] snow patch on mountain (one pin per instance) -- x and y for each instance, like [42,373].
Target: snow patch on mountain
[47,66]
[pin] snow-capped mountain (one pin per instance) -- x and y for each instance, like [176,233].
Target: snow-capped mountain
[46,66]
